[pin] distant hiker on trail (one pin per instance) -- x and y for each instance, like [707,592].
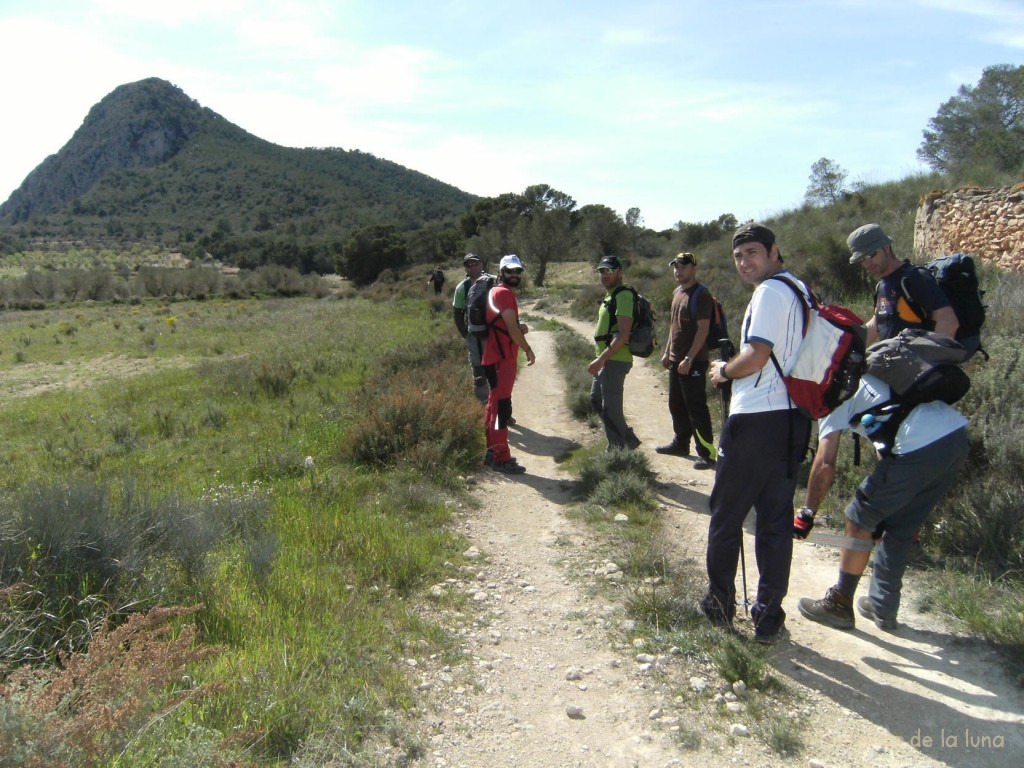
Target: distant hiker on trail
[898,279]
[474,344]
[929,449]
[686,358]
[500,361]
[763,441]
[437,278]
[614,360]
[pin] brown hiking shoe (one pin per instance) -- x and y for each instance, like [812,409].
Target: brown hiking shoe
[833,610]
[867,609]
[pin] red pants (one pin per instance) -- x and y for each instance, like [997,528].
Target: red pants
[501,376]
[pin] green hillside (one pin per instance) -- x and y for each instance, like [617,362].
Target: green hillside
[151,166]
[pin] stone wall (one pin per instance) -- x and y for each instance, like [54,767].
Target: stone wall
[987,223]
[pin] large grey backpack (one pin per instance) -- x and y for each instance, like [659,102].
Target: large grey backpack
[920,366]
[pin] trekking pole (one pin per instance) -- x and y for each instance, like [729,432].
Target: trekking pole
[726,352]
[743,572]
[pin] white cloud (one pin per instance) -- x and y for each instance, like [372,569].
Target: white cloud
[1008,17]
[171,14]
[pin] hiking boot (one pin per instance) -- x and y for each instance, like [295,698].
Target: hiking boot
[489,458]
[674,448]
[510,467]
[632,441]
[867,609]
[703,463]
[771,638]
[833,610]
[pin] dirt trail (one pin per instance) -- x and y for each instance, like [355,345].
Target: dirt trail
[542,639]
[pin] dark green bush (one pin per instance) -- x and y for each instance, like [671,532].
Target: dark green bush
[631,464]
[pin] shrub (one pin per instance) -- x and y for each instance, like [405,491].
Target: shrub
[406,416]
[736,659]
[426,428]
[979,521]
[88,553]
[629,464]
[87,711]
[274,377]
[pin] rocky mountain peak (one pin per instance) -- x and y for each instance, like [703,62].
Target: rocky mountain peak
[139,124]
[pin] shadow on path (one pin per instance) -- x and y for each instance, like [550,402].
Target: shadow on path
[918,718]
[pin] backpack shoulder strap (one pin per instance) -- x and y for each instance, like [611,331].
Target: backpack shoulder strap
[612,305]
[691,304]
[914,305]
[807,300]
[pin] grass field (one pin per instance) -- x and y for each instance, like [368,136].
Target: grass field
[205,454]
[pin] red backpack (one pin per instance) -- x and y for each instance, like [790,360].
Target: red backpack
[827,367]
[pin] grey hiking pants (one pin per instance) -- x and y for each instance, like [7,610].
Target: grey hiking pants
[901,492]
[606,397]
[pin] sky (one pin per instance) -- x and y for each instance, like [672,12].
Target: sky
[685,109]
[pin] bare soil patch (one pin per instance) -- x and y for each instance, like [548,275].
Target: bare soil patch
[32,379]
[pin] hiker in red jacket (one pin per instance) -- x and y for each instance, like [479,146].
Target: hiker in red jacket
[507,336]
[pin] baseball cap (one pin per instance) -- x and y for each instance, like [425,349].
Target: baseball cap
[470,257]
[754,233]
[511,261]
[610,262]
[684,258]
[865,240]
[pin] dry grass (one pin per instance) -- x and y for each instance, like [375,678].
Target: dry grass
[87,710]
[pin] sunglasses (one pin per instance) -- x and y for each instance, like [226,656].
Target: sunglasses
[514,271]
[605,270]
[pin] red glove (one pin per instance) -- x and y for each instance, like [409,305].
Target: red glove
[803,521]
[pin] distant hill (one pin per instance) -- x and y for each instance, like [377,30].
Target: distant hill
[150,165]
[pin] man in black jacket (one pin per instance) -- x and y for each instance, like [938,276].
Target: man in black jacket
[906,296]
[474,269]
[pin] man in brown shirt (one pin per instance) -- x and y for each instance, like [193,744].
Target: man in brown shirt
[686,358]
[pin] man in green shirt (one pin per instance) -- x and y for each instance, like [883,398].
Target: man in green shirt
[614,360]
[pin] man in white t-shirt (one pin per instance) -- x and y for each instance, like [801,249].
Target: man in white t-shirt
[762,443]
[918,463]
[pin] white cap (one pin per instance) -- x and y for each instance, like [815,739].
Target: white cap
[511,261]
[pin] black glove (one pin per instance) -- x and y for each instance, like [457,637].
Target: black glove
[803,521]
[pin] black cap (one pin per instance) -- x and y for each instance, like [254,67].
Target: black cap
[610,262]
[684,258]
[754,233]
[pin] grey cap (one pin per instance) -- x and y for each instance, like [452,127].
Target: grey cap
[864,241]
